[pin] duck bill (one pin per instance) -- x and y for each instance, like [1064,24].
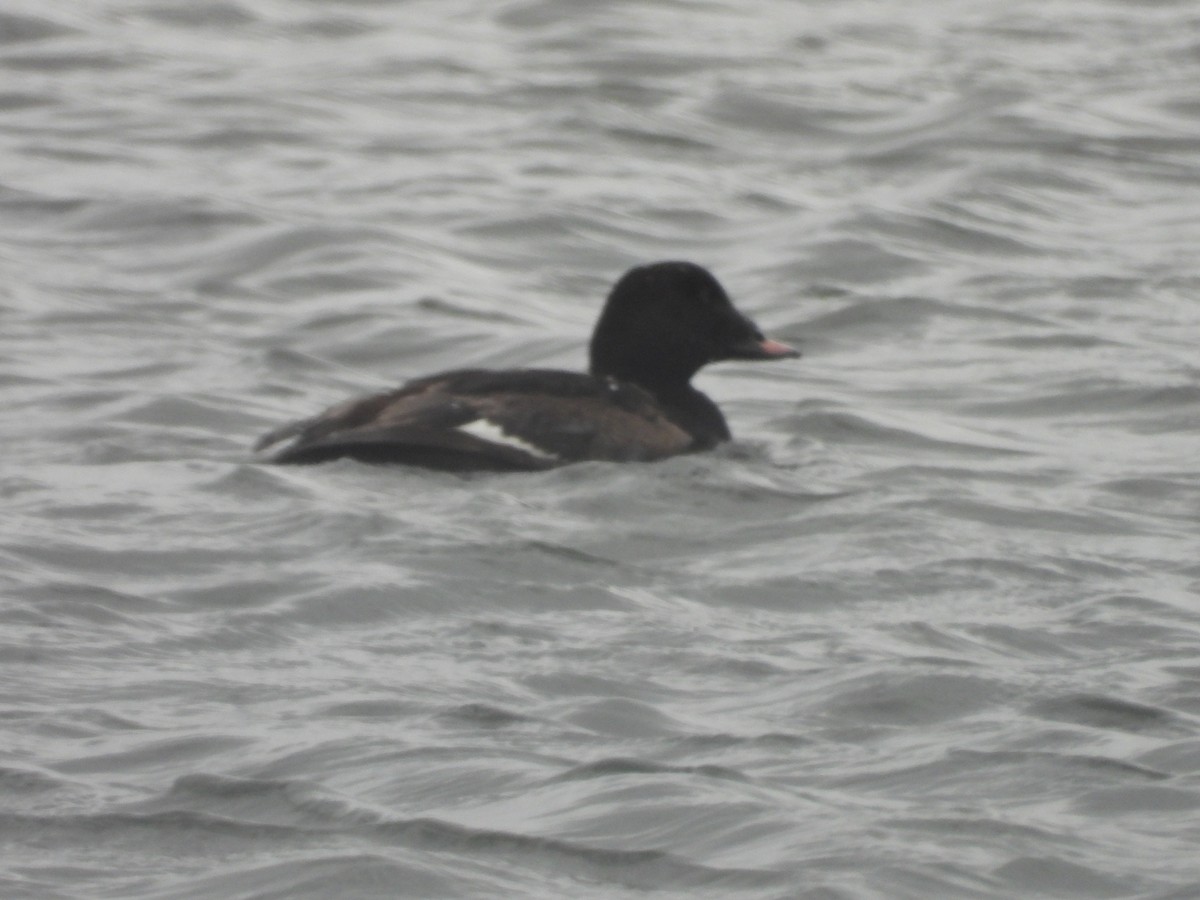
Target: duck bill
[762,348]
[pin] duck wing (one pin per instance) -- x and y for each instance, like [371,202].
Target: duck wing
[473,419]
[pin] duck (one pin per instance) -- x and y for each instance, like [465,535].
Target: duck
[660,324]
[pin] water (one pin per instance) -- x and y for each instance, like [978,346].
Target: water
[929,628]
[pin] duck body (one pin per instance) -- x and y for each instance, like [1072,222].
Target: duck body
[661,323]
[478,419]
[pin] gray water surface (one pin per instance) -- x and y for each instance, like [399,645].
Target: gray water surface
[929,627]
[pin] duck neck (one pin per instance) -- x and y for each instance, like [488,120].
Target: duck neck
[690,409]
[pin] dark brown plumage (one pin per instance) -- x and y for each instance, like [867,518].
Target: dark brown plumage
[660,325]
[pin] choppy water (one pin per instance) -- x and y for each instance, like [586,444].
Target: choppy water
[930,628]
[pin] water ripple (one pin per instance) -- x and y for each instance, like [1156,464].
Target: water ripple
[926,628]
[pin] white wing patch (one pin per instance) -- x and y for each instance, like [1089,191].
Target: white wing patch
[487,430]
